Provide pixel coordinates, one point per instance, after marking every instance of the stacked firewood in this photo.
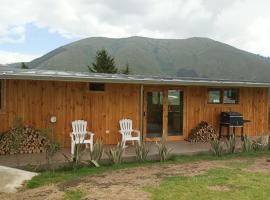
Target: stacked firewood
(27, 140)
(203, 132)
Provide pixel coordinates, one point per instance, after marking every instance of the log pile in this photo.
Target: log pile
(29, 140)
(203, 132)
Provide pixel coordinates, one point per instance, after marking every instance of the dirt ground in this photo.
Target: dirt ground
(128, 184)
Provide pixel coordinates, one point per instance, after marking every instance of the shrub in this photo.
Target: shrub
(258, 145)
(141, 151)
(246, 144)
(216, 147)
(51, 146)
(96, 153)
(231, 143)
(115, 155)
(164, 152)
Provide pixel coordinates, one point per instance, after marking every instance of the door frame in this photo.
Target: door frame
(164, 90)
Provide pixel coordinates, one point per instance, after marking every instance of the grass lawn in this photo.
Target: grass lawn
(73, 195)
(198, 177)
(49, 177)
(220, 183)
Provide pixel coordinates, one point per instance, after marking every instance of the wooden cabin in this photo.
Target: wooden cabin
(158, 106)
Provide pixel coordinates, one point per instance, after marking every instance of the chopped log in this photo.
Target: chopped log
(203, 132)
(33, 141)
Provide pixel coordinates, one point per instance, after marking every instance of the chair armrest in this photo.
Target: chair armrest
(90, 133)
(138, 132)
(120, 132)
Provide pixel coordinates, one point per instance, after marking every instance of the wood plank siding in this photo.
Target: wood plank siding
(37, 101)
(253, 104)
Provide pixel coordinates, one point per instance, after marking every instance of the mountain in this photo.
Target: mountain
(16, 65)
(4, 67)
(193, 57)
(1, 65)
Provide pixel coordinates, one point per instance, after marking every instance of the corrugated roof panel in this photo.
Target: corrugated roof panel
(36, 74)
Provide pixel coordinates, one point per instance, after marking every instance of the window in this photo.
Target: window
(230, 96)
(223, 95)
(175, 112)
(97, 87)
(157, 98)
(214, 96)
(1, 95)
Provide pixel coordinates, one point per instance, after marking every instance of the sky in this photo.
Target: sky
(32, 28)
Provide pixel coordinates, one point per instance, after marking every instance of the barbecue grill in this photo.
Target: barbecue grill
(232, 120)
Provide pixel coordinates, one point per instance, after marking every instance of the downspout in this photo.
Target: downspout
(141, 112)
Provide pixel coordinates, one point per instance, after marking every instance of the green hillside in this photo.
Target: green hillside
(174, 57)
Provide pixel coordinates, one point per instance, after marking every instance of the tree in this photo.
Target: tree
(126, 70)
(24, 66)
(104, 63)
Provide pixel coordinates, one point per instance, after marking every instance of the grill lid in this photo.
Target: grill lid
(231, 113)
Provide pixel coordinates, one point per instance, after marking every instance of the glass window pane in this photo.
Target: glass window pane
(230, 96)
(97, 87)
(214, 96)
(154, 114)
(175, 112)
(156, 98)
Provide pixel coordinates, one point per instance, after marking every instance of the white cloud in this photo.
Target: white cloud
(241, 23)
(13, 35)
(11, 57)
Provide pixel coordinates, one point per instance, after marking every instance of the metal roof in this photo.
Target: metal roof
(36, 74)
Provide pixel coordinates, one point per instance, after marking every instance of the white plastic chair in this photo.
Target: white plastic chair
(126, 131)
(78, 135)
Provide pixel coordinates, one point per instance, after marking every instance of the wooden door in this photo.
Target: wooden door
(163, 113)
(153, 114)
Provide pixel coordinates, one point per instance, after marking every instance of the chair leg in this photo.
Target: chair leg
(72, 148)
(124, 143)
(91, 146)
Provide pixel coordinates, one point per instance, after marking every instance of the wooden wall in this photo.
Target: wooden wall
(37, 101)
(253, 104)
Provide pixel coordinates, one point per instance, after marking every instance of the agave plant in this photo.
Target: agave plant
(96, 153)
(115, 155)
(246, 144)
(74, 161)
(164, 152)
(231, 144)
(141, 151)
(216, 147)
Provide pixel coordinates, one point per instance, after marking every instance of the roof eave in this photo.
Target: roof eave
(132, 80)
